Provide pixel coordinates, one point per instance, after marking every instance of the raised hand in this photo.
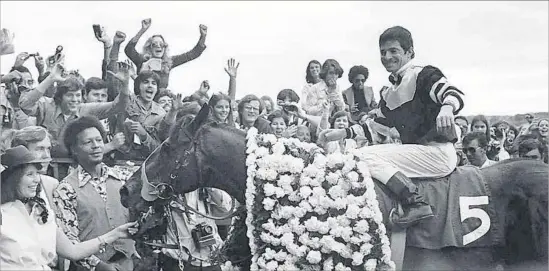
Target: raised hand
(203, 30)
(290, 131)
(177, 103)
(132, 70)
(104, 38)
(118, 140)
(123, 74)
(231, 68)
(119, 37)
(39, 63)
(145, 24)
(6, 42)
(58, 73)
(21, 58)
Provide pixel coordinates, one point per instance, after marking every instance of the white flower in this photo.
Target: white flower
(268, 203)
(328, 264)
(334, 160)
(295, 166)
(315, 182)
(366, 248)
(261, 152)
(352, 176)
(362, 226)
(270, 138)
(285, 180)
(294, 197)
(370, 265)
(358, 258)
(352, 211)
(272, 265)
(341, 267)
(314, 257)
(336, 192)
(305, 191)
(269, 189)
(332, 178)
(279, 148)
(287, 239)
(250, 160)
(281, 256)
(269, 254)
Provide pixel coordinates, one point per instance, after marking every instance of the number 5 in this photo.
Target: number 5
(466, 212)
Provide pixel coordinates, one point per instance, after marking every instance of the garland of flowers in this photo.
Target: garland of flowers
(311, 215)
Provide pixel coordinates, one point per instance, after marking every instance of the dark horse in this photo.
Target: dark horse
(203, 154)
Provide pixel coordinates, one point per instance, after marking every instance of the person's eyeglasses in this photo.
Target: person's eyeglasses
(251, 109)
(157, 45)
(360, 80)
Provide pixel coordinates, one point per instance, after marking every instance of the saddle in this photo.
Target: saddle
(463, 209)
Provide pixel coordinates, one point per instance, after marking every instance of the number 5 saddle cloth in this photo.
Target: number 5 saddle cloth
(464, 213)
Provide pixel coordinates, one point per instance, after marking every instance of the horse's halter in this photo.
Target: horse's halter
(165, 191)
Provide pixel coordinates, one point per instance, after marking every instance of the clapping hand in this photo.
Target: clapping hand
(231, 68)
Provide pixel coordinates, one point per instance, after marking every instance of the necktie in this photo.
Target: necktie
(397, 81)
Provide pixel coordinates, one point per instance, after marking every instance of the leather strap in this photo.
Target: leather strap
(398, 246)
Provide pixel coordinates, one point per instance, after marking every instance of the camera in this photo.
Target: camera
(203, 235)
(55, 58)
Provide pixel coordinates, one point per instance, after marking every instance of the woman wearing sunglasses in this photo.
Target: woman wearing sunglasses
(30, 238)
(156, 56)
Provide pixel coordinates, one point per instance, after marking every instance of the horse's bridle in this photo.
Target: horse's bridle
(166, 191)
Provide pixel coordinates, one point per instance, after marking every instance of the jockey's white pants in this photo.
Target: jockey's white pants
(429, 161)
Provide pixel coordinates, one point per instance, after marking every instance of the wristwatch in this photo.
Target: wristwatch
(93, 261)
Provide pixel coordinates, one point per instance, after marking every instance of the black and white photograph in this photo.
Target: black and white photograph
(274, 135)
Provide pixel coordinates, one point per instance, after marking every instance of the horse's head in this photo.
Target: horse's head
(161, 176)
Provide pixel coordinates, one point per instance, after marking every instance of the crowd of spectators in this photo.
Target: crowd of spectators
(95, 122)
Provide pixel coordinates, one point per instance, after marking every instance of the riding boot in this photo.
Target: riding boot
(413, 204)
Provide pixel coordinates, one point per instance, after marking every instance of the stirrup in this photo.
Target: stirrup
(395, 216)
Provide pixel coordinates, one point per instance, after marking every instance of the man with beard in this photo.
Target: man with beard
(420, 103)
(358, 97)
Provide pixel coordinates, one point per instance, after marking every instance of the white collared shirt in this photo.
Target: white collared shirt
(26, 244)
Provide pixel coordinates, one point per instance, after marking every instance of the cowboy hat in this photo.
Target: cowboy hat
(19, 155)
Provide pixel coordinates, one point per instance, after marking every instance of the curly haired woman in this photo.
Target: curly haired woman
(155, 55)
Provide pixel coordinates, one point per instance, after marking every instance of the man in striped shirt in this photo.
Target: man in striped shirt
(420, 104)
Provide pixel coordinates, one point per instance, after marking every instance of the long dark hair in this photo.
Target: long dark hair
(219, 97)
(308, 77)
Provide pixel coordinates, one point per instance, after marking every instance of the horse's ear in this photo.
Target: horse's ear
(200, 119)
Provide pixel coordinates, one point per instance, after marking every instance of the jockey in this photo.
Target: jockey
(420, 104)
